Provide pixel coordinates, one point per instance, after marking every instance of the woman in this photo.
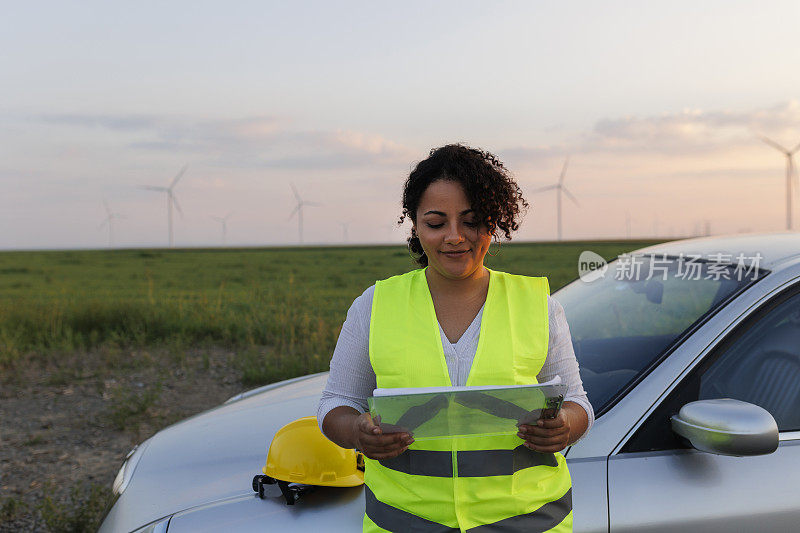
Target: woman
(458, 199)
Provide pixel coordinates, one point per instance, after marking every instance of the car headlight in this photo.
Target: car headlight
(128, 467)
(159, 526)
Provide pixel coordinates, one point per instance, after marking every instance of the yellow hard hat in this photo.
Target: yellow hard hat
(300, 453)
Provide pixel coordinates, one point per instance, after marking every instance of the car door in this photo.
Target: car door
(658, 483)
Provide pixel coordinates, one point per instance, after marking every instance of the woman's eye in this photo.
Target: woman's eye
(471, 224)
(435, 226)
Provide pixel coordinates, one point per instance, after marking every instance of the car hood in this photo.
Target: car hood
(212, 456)
(334, 510)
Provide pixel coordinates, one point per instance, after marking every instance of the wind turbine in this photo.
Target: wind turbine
(299, 210)
(344, 226)
(628, 224)
(171, 200)
(109, 221)
(224, 222)
(789, 171)
(560, 188)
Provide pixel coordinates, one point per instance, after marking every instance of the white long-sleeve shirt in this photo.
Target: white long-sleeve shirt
(352, 380)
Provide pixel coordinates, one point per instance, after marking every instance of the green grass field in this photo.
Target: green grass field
(279, 308)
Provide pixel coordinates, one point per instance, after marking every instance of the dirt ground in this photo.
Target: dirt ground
(72, 424)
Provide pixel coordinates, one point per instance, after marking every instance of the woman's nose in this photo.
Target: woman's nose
(453, 235)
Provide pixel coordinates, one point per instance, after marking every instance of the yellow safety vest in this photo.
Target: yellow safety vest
(476, 484)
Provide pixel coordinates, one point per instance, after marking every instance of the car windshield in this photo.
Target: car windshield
(622, 323)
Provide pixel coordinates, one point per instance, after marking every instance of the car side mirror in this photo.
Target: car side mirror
(727, 427)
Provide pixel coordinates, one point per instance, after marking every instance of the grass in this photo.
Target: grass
(129, 405)
(81, 512)
(11, 508)
(284, 306)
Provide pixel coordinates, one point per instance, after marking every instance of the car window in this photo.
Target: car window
(759, 362)
(763, 366)
(622, 323)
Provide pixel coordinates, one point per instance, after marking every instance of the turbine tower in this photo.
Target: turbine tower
(789, 171)
(344, 226)
(171, 200)
(628, 224)
(109, 221)
(560, 188)
(224, 222)
(299, 210)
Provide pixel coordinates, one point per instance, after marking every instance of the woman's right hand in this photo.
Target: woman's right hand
(373, 443)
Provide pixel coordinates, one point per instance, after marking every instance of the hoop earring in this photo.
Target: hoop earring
(408, 245)
(410, 253)
(499, 247)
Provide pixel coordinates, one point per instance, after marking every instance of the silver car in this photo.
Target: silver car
(662, 337)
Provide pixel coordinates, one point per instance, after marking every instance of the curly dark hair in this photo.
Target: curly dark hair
(490, 189)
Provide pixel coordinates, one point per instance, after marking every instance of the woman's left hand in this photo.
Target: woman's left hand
(550, 435)
(554, 434)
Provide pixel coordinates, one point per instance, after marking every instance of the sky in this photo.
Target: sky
(659, 107)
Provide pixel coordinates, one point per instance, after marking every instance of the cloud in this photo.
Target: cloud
(689, 144)
(274, 142)
(372, 144)
(530, 154)
(693, 131)
(257, 142)
(112, 122)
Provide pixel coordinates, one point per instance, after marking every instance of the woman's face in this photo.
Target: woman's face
(448, 231)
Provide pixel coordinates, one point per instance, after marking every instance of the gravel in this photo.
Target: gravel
(60, 424)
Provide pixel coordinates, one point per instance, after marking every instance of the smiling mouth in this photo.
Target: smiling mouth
(456, 253)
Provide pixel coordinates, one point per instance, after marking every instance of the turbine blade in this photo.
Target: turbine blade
(563, 171)
(773, 144)
(175, 203)
(228, 215)
(569, 195)
(153, 188)
(796, 148)
(108, 209)
(296, 194)
(542, 189)
(103, 225)
(296, 209)
(178, 176)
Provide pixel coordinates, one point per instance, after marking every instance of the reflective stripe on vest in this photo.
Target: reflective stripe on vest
(476, 463)
(484, 483)
(394, 519)
(544, 518)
